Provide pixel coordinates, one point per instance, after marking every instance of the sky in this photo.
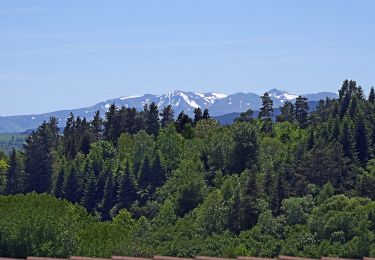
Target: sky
(69, 54)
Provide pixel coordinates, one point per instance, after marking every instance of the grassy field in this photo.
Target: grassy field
(8, 141)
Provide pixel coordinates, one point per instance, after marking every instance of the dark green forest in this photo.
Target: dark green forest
(143, 183)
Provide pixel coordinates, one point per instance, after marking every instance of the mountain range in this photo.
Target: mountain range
(218, 105)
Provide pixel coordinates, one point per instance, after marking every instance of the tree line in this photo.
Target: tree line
(251, 181)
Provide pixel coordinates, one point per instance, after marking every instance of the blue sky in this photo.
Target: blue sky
(69, 54)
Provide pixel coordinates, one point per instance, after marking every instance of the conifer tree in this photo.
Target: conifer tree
(281, 191)
(127, 193)
(361, 139)
(39, 147)
(198, 115)
(310, 140)
(346, 138)
(236, 212)
(371, 97)
(15, 174)
(97, 125)
(89, 199)
(182, 121)
(109, 199)
(246, 116)
(249, 203)
(72, 189)
(301, 109)
(100, 185)
(287, 112)
(69, 142)
(266, 113)
(152, 119)
(158, 173)
(353, 107)
(206, 114)
(167, 116)
(335, 130)
(58, 190)
(86, 136)
(110, 124)
(145, 175)
(145, 182)
(268, 184)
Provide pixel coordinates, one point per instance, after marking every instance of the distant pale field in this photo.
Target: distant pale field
(10, 140)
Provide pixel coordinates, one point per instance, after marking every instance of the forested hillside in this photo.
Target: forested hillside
(152, 184)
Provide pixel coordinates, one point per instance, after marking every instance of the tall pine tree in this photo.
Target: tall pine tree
(109, 199)
(301, 109)
(167, 116)
(127, 193)
(361, 139)
(15, 174)
(152, 119)
(266, 113)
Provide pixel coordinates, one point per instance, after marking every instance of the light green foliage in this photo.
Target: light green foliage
(3, 176)
(40, 225)
(170, 144)
(213, 214)
(186, 187)
(296, 210)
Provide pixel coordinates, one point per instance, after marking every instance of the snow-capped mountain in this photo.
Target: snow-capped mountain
(217, 103)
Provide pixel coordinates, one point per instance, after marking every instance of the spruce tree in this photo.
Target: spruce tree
(236, 212)
(158, 173)
(110, 124)
(152, 119)
(335, 130)
(72, 189)
(206, 114)
(249, 203)
(353, 107)
(182, 121)
(268, 184)
(361, 139)
(97, 125)
(198, 115)
(15, 174)
(58, 190)
(69, 142)
(287, 112)
(266, 113)
(145, 174)
(371, 97)
(144, 181)
(310, 140)
(127, 193)
(89, 199)
(346, 138)
(109, 199)
(301, 109)
(38, 149)
(281, 190)
(167, 116)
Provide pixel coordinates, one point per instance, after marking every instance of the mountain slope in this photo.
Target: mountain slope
(217, 103)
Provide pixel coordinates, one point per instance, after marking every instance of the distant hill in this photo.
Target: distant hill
(218, 104)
